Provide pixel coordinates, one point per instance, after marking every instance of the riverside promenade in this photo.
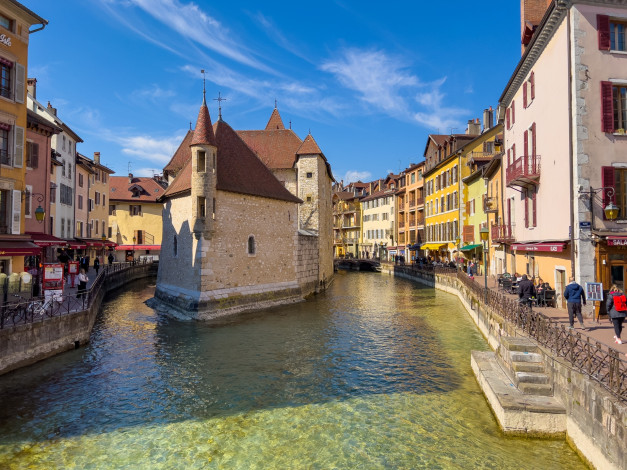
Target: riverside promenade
(33, 330)
(586, 373)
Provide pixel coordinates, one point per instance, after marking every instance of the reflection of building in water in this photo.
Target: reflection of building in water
(234, 236)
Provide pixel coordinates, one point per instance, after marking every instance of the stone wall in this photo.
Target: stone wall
(596, 420)
(307, 263)
(26, 344)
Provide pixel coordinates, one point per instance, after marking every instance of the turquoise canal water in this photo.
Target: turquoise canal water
(373, 374)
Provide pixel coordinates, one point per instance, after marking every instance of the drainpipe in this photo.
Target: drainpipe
(571, 159)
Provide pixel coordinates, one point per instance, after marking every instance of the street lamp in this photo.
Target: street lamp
(610, 210)
(40, 212)
(484, 232)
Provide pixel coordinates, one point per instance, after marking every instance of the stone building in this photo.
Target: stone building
(236, 237)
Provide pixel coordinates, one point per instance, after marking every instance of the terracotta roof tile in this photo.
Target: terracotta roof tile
(309, 147)
(238, 170)
(203, 134)
(180, 157)
(276, 148)
(275, 122)
(120, 189)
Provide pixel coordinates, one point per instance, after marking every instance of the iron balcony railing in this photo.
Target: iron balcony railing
(524, 171)
(502, 233)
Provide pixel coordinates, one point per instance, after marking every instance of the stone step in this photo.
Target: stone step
(532, 377)
(516, 356)
(541, 390)
(519, 344)
(528, 367)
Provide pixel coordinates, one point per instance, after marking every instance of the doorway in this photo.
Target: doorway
(560, 285)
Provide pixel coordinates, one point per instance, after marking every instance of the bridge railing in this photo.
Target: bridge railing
(19, 311)
(597, 360)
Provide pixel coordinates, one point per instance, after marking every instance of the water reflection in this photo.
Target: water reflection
(375, 372)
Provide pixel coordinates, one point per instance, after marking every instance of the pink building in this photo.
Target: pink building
(564, 112)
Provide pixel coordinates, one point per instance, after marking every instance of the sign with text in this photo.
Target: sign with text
(617, 241)
(594, 291)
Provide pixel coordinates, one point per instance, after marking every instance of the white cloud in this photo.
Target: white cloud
(353, 176)
(146, 171)
(154, 92)
(437, 116)
(380, 79)
(157, 150)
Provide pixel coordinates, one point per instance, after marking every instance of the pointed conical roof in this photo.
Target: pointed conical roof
(309, 147)
(203, 134)
(275, 121)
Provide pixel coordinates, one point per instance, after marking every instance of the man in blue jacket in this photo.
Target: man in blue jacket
(574, 296)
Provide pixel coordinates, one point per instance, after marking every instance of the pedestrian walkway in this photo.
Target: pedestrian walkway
(602, 331)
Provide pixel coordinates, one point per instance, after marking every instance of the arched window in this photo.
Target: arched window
(251, 245)
(175, 246)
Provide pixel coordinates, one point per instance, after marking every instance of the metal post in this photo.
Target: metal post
(485, 273)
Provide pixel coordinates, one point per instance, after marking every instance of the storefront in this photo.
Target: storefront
(137, 252)
(611, 256)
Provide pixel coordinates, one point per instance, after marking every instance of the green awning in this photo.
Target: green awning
(471, 247)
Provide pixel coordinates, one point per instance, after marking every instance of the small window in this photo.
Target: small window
(202, 210)
(201, 161)
(251, 245)
(309, 198)
(111, 209)
(175, 246)
(309, 174)
(6, 23)
(135, 209)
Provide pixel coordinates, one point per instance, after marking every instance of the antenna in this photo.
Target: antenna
(452, 129)
(274, 103)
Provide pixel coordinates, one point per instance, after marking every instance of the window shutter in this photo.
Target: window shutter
(513, 152)
(509, 211)
(34, 157)
(532, 163)
(526, 143)
(508, 156)
(20, 82)
(533, 208)
(16, 212)
(527, 209)
(525, 95)
(607, 181)
(513, 112)
(607, 107)
(532, 85)
(18, 148)
(507, 118)
(603, 29)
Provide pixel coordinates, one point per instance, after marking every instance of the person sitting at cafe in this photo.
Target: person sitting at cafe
(540, 285)
(526, 290)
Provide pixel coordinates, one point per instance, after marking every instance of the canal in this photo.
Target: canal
(373, 374)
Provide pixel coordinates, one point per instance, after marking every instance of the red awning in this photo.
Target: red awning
(77, 244)
(555, 247)
(15, 248)
(137, 247)
(110, 243)
(617, 241)
(44, 239)
(92, 242)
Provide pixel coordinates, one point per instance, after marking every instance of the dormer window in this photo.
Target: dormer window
(201, 161)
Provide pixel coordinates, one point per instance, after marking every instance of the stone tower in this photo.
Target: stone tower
(203, 179)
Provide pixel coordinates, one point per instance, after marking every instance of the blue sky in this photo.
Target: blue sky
(370, 80)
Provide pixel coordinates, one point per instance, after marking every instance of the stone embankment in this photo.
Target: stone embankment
(66, 325)
(541, 379)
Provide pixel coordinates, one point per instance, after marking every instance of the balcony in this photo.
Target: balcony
(502, 233)
(524, 172)
(420, 201)
(412, 203)
(401, 206)
(490, 204)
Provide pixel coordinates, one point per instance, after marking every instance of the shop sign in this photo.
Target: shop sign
(617, 241)
(6, 40)
(554, 247)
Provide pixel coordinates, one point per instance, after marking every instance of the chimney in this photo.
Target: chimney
(488, 118)
(97, 158)
(32, 87)
(130, 177)
(51, 109)
(474, 128)
(531, 13)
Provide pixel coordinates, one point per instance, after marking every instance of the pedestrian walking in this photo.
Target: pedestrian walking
(617, 310)
(82, 283)
(574, 296)
(96, 265)
(111, 258)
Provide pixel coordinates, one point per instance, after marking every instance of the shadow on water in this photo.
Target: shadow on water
(140, 368)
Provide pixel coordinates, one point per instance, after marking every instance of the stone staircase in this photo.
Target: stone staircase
(522, 361)
(518, 389)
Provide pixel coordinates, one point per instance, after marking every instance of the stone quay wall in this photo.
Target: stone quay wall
(28, 343)
(596, 425)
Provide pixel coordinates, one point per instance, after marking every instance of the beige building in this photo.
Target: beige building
(234, 237)
(378, 210)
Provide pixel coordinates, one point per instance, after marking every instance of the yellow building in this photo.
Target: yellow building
(15, 23)
(442, 188)
(135, 216)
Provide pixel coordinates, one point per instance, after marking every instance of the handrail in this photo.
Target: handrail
(598, 361)
(36, 310)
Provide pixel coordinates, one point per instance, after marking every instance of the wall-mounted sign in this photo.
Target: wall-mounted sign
(585, 225)
(6, 40)
(617, 241)
(594, 291)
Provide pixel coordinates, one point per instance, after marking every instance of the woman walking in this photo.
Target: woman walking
(82, 283)
(617, 310)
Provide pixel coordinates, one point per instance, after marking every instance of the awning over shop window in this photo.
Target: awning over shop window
(44, 239)
(19, 248)
(555, 247)
(471, 247)
(432, 246)
(137, 247)
(76, 244)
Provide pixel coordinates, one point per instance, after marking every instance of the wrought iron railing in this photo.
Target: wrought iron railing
(599, 361)
(502, 233)
(523, 170)
(19, 311)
